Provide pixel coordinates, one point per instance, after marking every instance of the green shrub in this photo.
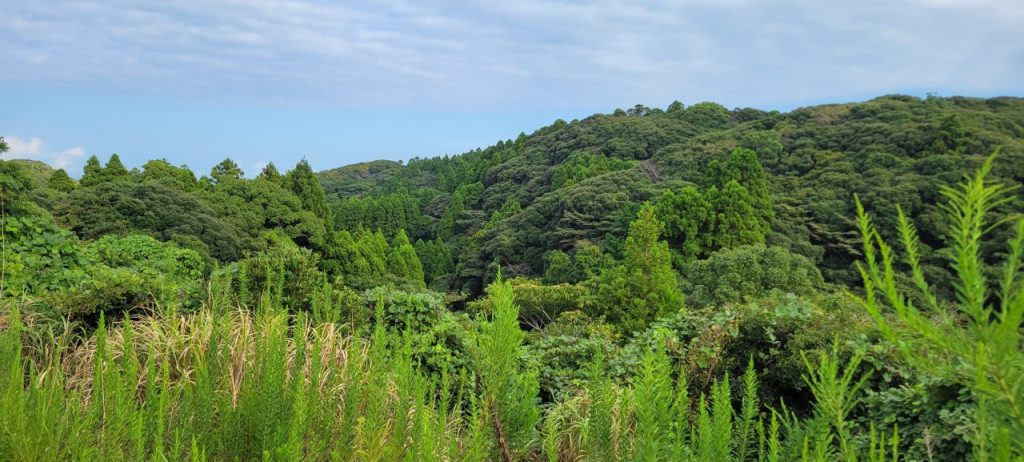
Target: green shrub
(741, 273)
(39, 256)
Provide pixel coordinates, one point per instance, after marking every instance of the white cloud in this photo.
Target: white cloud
(23, 148)
(256, 168)
(483, 54)
(34, 148)
(68, 157)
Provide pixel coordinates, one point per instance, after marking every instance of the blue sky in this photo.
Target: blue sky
(195, 81)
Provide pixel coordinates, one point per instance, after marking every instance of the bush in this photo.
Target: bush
(39, 256)
(539, 304)
(285, 272)
(562, 351)
(147, 256)
(743, 273)
(440, 340)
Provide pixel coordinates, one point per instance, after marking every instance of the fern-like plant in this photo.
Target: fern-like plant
(976, 338)
(509, 391)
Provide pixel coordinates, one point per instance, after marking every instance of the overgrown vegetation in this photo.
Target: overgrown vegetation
(673, 284)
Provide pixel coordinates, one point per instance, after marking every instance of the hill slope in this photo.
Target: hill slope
(580, 182)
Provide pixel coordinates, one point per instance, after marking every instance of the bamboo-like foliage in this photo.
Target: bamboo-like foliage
(975, 339)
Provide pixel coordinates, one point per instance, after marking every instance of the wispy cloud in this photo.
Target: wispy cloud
(529, 53)
(34, 148)
(23, 148)
(256, 168)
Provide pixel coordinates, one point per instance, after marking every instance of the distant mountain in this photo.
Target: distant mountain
(357, 179)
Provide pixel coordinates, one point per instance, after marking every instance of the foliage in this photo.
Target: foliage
(165, 213)
(60, 181)
(557, 267)
(39, 256)
(255, 207)
(367, 259)
(287, 316)
(742, 273)
(975, 339)
(509, 392)
(389, 213)
(403, 262)
(644, 286)
(304, 184)
(563, 351)
(538, 303)
(582, 165)
(92, 172)
(689, 218)
(270, 173)
(161, 170)
(226, 171)
(440, 341)
(146, 256)
(285, 274)
(436, 258)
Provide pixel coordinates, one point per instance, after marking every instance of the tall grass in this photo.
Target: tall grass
(229, 383)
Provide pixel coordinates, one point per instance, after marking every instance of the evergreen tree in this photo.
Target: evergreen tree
(92, 173)
(589, 261)
(643, 287)
(510, 208)
(465, 197)
(402, 259)
(304, 183)
(60, 181)
(736, 221)
(226, 170)
(162, 171)
(270, 173)
(115, 170)
(436, 258)
(743, 167)
(689, 219)
(372, 248)
(14, 184)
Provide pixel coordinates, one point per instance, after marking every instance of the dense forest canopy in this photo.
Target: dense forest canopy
(686, 283)
(581, 183)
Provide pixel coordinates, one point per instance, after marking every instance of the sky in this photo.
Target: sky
(195, 81)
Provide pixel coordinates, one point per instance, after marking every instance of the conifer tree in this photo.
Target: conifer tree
(736, 220)
(509, 389)
(403, 261)
(436, 258)
(92, 173)
(743, 167)
(226, 170)
(114, 170)
(60, 181)
(270, 173)
(306, 186)
(689, 219)
(644, 286)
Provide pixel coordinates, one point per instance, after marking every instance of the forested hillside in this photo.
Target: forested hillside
(570, 185)
(838, 282)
